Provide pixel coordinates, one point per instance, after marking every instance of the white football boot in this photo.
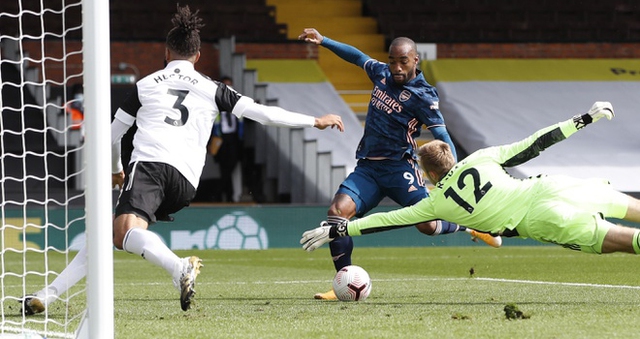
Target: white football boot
(187, 280)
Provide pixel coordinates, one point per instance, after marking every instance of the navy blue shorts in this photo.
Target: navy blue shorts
(372, 180)
(153, 191)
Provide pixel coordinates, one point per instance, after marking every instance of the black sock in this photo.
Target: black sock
(341, 249)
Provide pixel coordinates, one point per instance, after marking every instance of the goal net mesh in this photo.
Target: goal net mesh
(41, 140)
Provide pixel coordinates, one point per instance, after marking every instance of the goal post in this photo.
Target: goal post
(55, 173)
(97, 96)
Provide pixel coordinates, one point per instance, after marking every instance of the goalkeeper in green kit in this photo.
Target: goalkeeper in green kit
(479, 193)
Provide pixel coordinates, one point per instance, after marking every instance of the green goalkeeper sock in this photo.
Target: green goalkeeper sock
(636, 241)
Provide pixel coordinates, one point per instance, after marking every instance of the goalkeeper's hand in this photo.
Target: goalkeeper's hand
(316, 237)
(601, 109)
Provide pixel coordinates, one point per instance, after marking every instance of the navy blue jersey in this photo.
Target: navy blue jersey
(396, 114)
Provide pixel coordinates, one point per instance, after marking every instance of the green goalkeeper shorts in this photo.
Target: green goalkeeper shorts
(568, 212)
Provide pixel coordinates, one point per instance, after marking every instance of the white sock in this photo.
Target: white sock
(74, 272)
(148, 245)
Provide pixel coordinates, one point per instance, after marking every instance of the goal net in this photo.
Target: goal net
(55, 166)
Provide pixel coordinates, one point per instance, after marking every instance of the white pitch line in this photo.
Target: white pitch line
(536, 282)
(285, 282)
(21, 332)
(518, 281)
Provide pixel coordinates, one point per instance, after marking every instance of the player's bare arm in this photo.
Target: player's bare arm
(311, 35)
(329, 120)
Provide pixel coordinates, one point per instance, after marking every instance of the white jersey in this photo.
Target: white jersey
(174, 110)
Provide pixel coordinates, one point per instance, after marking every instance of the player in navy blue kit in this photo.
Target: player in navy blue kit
(401, 103)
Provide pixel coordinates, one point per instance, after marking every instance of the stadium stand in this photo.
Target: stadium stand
(344, 21)
(509, 21)
(31, 24)
(247, 20)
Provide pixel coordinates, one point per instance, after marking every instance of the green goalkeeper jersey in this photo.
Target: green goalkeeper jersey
(477, 192)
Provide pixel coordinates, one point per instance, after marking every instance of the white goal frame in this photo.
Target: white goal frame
(98, 322)
(92, 169)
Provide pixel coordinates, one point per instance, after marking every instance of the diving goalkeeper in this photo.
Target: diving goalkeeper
(479, 193)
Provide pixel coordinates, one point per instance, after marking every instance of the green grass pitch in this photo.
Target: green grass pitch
(417, 293)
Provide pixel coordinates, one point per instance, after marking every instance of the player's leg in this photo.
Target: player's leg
(357, 194)
(633, 210)
(342, 208)
(71, 275)
(621, 238)
(597, 196)
(577, 230)
(609, 237)
(139, 205)
(438, 227)
(557, 218)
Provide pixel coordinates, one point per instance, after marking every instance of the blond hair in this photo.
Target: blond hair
(436, 156)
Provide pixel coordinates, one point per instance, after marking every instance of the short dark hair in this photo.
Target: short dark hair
(184, 38)
(403, 41)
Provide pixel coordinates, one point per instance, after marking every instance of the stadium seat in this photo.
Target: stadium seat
(247, 20)
(514, 21)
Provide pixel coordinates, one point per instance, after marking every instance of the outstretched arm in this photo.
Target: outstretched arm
(276, 116)
(529, 148)
(346, 52)
(230, 100)
(373, 223)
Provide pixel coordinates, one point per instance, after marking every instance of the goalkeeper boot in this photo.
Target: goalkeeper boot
(493, 241)
(30, 305)
(330, 295)
(190, 270)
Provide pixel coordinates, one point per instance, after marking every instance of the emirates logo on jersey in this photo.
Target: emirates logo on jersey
(404, 96)
(381, 100)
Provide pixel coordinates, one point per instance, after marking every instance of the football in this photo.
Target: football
(352, 283)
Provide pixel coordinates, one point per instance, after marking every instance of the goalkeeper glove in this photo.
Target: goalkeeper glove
(601, 109)
(323, 234)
